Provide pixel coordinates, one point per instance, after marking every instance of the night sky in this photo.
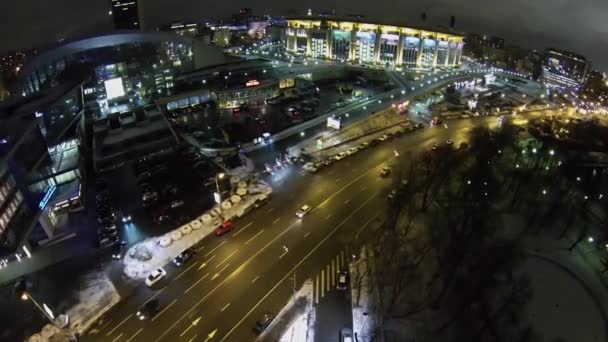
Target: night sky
(577, 25)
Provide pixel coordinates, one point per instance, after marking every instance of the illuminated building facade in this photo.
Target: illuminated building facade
(366, 43)
(563, 69)
(126, 14)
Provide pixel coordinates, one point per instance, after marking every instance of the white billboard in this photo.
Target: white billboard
(114, 88)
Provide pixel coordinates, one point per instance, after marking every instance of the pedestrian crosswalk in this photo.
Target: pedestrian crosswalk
(325, 281)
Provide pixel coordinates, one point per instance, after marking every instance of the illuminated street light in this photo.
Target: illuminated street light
(551, 152)
(544, 192)
(590, 239)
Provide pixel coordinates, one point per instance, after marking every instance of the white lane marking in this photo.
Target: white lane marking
(119, 324)
(275, 221)
(200, 248)
(206, 262)
(226, 259)
(365, 225)
(328, 217)
(165, 309)
(220, 271)
(254, 279)
(253, 237)
(234, 273)
(192, 339)
(290, 272)
(269, 210)
(218, 246)
(152, 297)
(117, 337)
(242, 229)
(186, 270)
(346, 202)
(225, 307)
(338, 179)
(363, 188)
(137, 333)
(305, 235)
(282, 255)
(196, 283)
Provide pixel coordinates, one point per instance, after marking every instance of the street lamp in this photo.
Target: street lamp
(218, 177)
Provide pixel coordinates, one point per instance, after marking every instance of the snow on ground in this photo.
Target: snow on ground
(363, 310)
(197, 230)
(296, 321)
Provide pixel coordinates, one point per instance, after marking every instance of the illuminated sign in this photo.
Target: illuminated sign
(252, 83)
(216, 197)
(114, 88)
(402, 107)
(333, 123)
(286, 83)
(47, 197)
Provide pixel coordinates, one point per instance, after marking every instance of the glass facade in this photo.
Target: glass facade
(428, 52)
(389, 43)
(341, 45)
(442, 53)
(366, 43)
(410, 51)
(319, 44)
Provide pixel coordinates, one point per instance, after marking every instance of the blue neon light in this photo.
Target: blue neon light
(47, 197)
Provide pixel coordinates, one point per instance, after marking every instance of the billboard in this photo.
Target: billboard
(333, 123)
(114, 88)
(287, 83)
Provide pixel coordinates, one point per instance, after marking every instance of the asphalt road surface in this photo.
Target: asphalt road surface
(235, 278)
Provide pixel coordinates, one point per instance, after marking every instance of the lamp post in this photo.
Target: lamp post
(218, 177)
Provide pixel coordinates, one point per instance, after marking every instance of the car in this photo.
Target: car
(342, 280)
(170, 189)
(224, 228)
(352, 150)
(399, 132)
(184, 257)
(155, 276)
(105, 220)
(108, 241)
(341, 156)
(385, 172)
(176, 204)
(436, 121)
(364, 145)
(449, 142)
(126, 218)
(392, 194)
(118, 253)
(374, 142)
(263, 322)
(107, 228)
(149, 196)
(263, 199)
(346, 335)
(434, 147)
(107, 234)
(384, 137)
(418, 126)
(148, 310)
(328, 161)
(303, 210)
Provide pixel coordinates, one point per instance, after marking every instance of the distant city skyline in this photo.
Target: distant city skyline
(565, 24)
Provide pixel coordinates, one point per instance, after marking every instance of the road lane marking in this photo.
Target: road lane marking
(275, 221)
(328, 278)
(105, 325)
(200, 248)
(196, 283)
(253, 237)
(165, 309)
(282, 255)
(365, 225)
(119, 324)
(226, 259)
(317, 288)
(218, 246)
(363, 188)
(137, 333)
(328, 217)
(338, 179)
(117, 337)
(242, 229)
(192, 339)
(269, 210)
(346, 202)
(351, 182)
(234, 273)
(206, 262)
(225, 307)
(254, 279)
(290, 272)
(220, 271)
(186, 270)
(305, 235)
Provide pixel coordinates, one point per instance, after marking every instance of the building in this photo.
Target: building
(369, 43)
(564, 69)
(182, 29)
(275, 33)
(127, 14)
(222, 36)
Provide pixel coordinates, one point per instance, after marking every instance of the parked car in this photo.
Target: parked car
(149, 196)
(363, 145)
(384, 137)
(449, 142)
(148, 310)
(341, 156)
(176, 204)
(155, 276)
(184, 257)
(224, 228)
(108, 241)
(261, 201)
(263, 322)
(392, 194)
(305, 209)
(352, 150)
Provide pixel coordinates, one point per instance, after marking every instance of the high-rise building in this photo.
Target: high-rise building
(564, 69)
(127, 14)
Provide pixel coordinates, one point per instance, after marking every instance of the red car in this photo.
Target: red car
(224, 228)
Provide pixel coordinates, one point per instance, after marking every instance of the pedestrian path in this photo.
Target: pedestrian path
(325, 281)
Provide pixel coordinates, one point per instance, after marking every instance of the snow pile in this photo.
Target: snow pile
(165, 248)
(361, 298)
(296, 321)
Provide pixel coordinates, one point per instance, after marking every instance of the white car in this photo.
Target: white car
(176, 204)
(351, 150)
(303, 210)
(341, 156)
(155, 277)
(384, 137)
